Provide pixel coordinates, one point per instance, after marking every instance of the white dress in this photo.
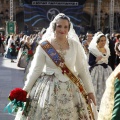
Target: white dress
(53, 95)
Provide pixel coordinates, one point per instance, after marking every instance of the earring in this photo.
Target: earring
(66, 36)
(54, 34)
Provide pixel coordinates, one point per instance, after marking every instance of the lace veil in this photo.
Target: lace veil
(93, 43)
(49, 34)
(50, 30)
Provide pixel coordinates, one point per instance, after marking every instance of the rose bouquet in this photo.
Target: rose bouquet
(29, 54)
(17, 98)
(17, 48)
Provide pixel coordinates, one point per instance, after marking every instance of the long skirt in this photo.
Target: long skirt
(10, 55)
(22, 58)
(99, 76)
(2, 50)
(19, 54)
(22, 63)
(52, 99)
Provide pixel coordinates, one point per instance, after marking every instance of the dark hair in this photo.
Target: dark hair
(44, 32)
(64, 17)
(99, 38)
(89, 32)
(118, 36)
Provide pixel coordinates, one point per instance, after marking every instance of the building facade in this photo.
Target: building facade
(89, 17)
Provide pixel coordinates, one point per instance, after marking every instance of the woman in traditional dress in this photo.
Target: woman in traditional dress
(11, 52)
(21, 46)
(25, 46)
(53, 96)
(34, 44)
(98, 61)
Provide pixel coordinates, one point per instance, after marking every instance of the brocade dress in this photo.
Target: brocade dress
(53, 95)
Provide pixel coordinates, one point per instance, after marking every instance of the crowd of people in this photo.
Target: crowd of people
(77, 87)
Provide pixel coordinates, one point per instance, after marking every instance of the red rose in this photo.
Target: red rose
(18, 94)
(30, 52)
(18, 48)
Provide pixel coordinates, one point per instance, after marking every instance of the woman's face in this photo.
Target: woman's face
(13, 37)
(102, 42)
(89, 37)
(28, 39)
(62, 28)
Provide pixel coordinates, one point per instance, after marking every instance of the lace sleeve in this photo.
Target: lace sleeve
(83, 69)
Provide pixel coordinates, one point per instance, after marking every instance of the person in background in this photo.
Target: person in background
(21, 58)
(7, 39)
(117, 50)
(40, 34)
(11, 49)
(82, 38)
(86, 42)
(2, 48)
(98, 61)
(23, 54)
(111, 60)
(17, 40)
(21, 36)
(52, 93)
(34, 45)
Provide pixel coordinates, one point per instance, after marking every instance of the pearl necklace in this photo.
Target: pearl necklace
(61, 51)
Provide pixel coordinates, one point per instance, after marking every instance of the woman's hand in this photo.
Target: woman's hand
(91, 97)
(98, 58)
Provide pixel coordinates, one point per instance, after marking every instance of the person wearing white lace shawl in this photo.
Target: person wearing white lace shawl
(98, 61)
(53, 95)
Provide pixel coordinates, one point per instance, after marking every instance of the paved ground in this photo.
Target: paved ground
(10, 77)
